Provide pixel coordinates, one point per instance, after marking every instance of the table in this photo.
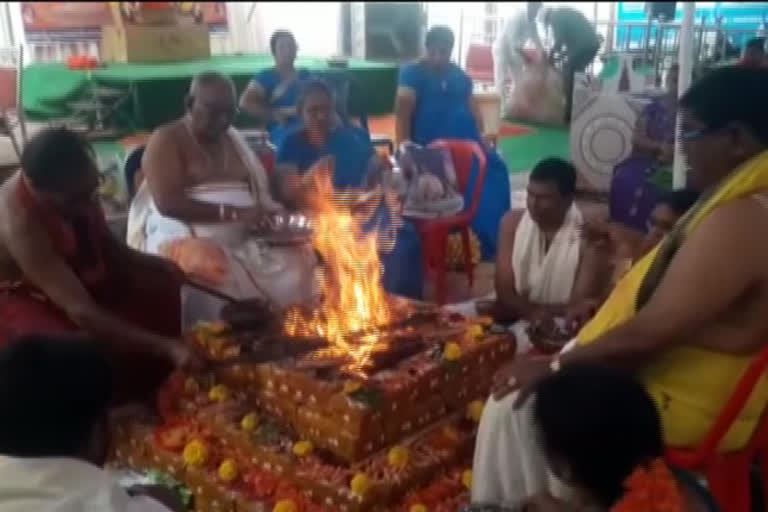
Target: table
(158, 90)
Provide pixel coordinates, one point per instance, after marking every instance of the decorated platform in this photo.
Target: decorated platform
(357, 401)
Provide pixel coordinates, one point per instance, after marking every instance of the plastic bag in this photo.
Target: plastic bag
(432, 189)
(538, 93)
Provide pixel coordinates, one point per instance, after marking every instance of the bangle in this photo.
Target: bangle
(221, 211)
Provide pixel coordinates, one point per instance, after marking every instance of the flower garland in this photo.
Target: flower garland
(651, 488)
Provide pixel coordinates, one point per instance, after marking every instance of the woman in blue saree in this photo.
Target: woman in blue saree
(434, 101)
(322, 138)
(272, 94)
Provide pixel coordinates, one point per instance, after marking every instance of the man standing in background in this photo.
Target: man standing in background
(576, 44)
(517, 31)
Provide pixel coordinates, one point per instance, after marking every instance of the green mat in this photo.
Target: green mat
(158, 89)
(522, 152)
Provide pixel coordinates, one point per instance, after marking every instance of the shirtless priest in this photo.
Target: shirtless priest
(203, 187)
(61, 269)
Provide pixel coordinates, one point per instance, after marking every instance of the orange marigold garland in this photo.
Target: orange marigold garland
(651, 488)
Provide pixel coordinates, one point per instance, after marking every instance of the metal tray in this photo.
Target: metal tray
(285, 229)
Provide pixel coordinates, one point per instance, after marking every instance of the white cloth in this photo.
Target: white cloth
(517, 31)
(509, 464)
(138, 213)
(547, 276)
(285, 274)
(64, 485)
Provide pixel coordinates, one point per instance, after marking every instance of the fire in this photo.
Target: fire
(354, 301)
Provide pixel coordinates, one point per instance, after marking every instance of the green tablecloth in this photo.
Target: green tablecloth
(158, 89)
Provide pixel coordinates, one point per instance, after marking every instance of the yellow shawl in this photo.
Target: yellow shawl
(690, 384)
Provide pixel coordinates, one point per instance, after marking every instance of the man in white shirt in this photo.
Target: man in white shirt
(54, 398)
(517, 31)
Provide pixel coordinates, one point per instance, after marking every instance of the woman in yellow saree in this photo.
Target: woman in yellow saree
(688, 318)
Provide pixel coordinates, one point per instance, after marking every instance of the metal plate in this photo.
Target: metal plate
(285, 229)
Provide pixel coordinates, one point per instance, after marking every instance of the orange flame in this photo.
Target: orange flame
(354, 300)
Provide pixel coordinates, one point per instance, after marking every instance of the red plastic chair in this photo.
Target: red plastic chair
(434, 232)
(728, 474)
(480, 62)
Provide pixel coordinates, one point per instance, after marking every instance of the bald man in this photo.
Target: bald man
(203, 188)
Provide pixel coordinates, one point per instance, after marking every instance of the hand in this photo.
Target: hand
(580, 313)
(521, 375)
(539, 317)
(597, 235)
(160, 493)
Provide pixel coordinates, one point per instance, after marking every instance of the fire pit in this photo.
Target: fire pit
(356, 400)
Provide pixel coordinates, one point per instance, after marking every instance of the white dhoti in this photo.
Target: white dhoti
(283, 275)
(509, 464)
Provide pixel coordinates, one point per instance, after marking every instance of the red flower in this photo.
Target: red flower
(651, 488)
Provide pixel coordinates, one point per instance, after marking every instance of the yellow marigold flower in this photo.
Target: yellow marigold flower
(398, 456)
(228, 470)
(452, 351)
(195, 453)
(475, 410)
(303, 448)
(466, 478)
(249, 422)
(477, 331)
(285, 506)
(351, 386)
(418, 508)
(360, 484)
(219, 393)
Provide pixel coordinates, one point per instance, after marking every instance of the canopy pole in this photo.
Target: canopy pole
(685, 61)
